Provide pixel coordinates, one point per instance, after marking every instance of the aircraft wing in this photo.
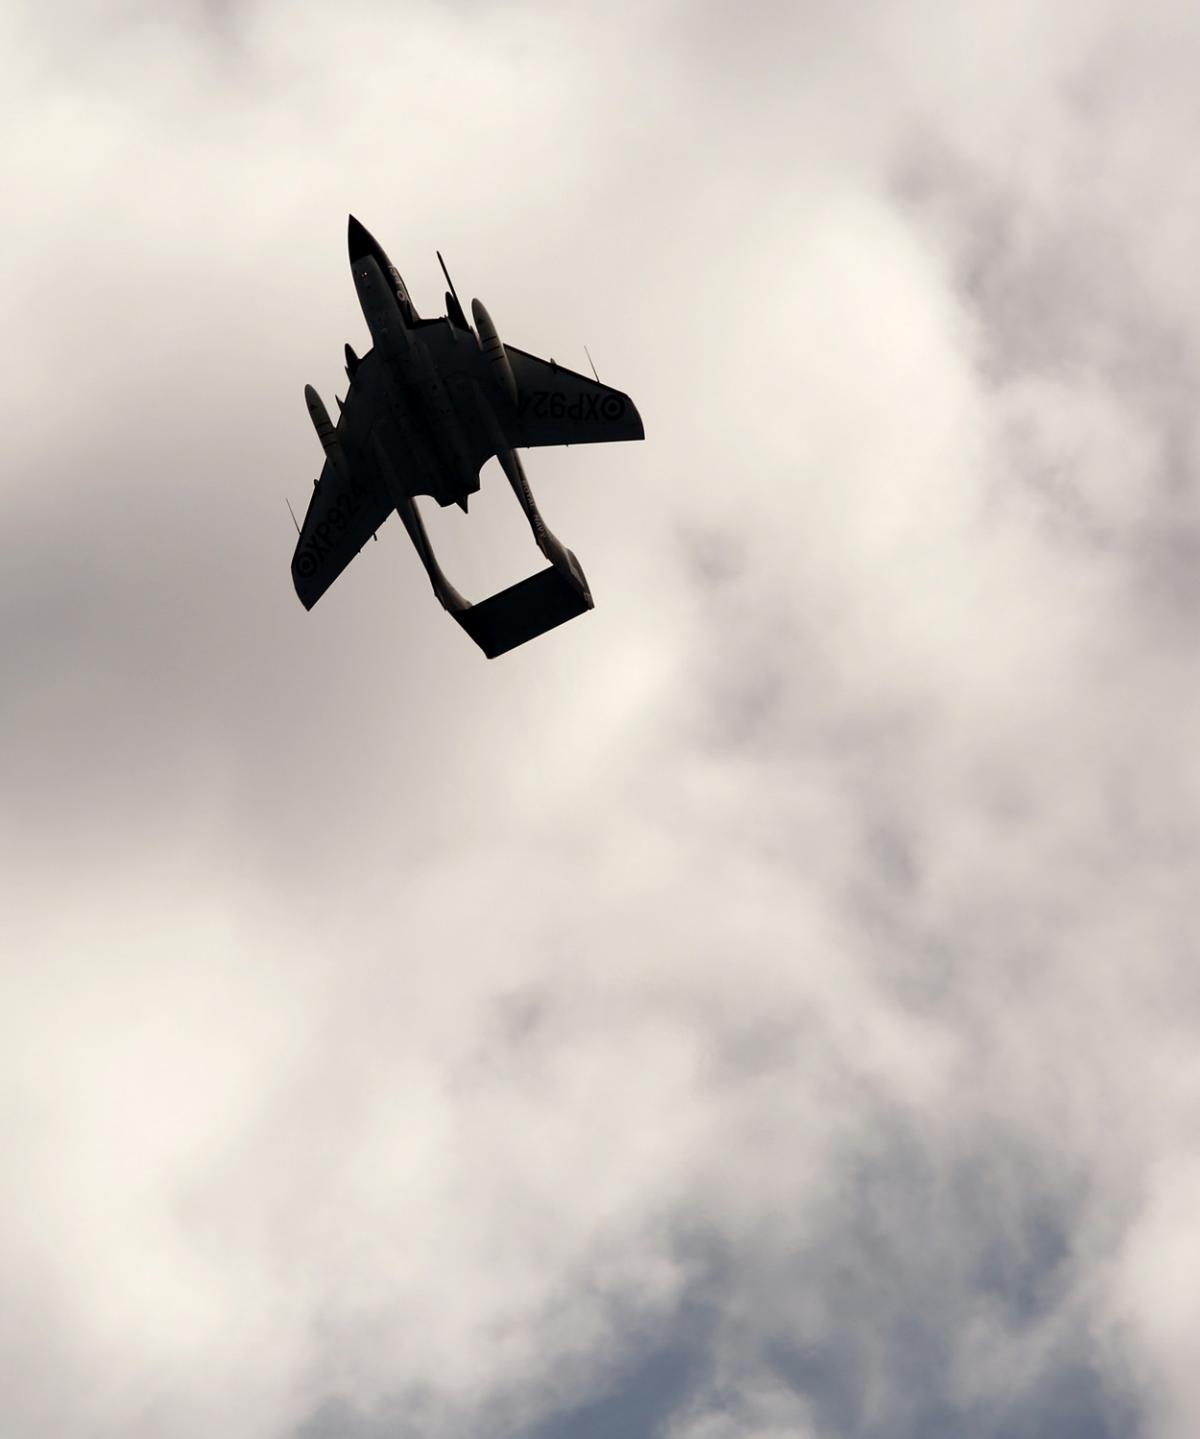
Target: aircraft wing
(348, 505)
(557, 406)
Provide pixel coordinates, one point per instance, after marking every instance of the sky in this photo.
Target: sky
(766, 1006)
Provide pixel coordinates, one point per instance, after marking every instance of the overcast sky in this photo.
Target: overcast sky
(767, 1006)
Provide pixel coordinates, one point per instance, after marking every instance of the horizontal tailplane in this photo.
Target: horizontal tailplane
(523, 611)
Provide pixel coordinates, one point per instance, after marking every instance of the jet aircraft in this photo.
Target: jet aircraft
(428, 405)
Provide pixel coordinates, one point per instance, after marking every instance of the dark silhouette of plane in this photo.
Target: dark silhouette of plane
(428, 404)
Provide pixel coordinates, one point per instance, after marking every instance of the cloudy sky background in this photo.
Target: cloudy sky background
(765, 1007)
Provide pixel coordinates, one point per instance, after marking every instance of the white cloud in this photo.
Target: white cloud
(788, 967)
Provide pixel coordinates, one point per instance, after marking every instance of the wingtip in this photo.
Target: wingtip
(303, 590)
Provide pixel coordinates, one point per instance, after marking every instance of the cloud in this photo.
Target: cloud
(764, 1007)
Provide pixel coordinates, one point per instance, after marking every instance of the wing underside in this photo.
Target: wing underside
(557, 406)
(345, 511)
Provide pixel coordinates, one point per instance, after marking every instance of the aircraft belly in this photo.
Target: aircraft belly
(414, 466)
(438, 399)
(482, 434)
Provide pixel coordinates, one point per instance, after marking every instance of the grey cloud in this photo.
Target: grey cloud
(764, 1007)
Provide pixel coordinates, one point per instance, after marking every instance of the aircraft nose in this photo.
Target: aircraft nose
(359, 240)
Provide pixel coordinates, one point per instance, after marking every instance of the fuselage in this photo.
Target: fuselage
(413, 395)
(420, 387)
